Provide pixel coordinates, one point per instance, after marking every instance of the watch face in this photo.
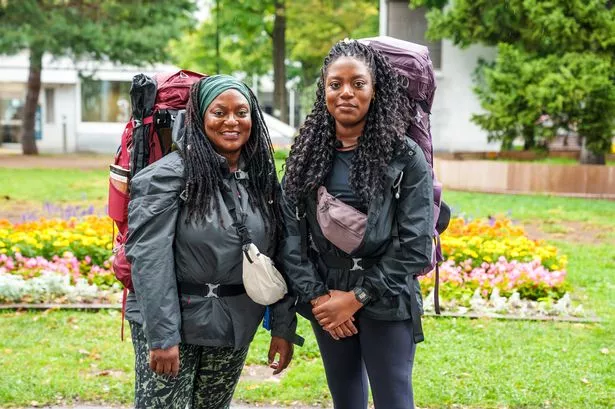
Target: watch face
(361, 295)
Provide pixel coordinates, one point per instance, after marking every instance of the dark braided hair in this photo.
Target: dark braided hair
(311, 155)
(204, 174)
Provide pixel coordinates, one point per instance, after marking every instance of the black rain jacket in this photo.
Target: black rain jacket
(163, 249)
(394, 262)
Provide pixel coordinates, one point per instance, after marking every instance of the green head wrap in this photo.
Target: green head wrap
(210, 88)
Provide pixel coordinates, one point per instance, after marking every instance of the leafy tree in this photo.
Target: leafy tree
(133, 32)
(315, 25)
(556, 61)
(251, 34)
(251, 39)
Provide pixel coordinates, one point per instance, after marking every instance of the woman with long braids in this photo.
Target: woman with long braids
(359, 220)
(191, 320)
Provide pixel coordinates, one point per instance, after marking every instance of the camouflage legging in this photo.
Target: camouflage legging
(207, 376)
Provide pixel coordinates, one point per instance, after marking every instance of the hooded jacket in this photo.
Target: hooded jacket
(164, 250)
(397, 245)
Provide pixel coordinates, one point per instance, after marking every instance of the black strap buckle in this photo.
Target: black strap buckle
(241, 175)
(244, 234)
(212, 290)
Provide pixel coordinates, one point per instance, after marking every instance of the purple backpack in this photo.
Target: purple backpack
(412, 61)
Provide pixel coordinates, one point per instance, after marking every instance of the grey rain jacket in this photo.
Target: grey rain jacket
(164, 250)
(390, 281)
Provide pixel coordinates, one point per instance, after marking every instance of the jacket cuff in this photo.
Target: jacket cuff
(165, 343)
(371, 290)
(315, 293)
(291, 336)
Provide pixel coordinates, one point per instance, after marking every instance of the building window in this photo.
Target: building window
(12, 98)
(50, 106)
(105, 101)
(411, 25)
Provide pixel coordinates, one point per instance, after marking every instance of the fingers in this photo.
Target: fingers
(152, 362)
(285, 350)
(334, 335)
(348, 328)
(344, 330)
(175, 367)
(320, 309)
(165, 362)
(339, 332)
(319, 300)
(166, 365)
(324, 322)
(285, 358)
(272, 351)
(333, 325)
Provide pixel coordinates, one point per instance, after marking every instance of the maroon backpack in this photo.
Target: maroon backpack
(156, 102)
(412, 61)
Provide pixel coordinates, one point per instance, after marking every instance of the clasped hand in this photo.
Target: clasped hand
(165, 361)
(335, 313)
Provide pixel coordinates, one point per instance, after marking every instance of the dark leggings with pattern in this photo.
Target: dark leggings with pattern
(382, 351)
(207, 376)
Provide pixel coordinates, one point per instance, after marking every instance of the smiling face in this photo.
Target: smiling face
(349, 89)
(227, 122)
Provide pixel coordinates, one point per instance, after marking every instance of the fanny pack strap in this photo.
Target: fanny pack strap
(211, 290)
(229, 201)
(348, 263)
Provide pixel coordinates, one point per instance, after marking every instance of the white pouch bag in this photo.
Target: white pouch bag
(263, 282)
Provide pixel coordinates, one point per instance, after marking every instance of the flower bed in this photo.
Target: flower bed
(487, 260)
(493, 259)
(57, 261)
(90, 237)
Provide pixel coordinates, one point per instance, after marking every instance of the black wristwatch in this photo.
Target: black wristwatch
(361, 295)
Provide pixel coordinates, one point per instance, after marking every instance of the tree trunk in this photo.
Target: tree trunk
(529, 138)
(591, 158)
(279, 66)
(28, 142)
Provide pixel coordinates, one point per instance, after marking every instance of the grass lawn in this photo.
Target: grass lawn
(61, 356)
(53, 185)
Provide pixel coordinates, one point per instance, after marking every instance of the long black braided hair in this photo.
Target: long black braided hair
(311, 155)
(204, 175)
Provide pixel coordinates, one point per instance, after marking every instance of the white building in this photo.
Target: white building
(83, 107)
(454, 102)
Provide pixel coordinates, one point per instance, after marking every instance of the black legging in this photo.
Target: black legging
(382, 351)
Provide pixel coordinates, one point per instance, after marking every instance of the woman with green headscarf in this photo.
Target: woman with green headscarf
(191, 320)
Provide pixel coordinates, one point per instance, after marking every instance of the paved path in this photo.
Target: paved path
(70, 161)
(124, 407)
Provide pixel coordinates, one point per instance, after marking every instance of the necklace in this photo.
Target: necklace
(347, 148)
(340, 147)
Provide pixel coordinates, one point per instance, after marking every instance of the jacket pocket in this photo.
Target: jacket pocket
(205, 320)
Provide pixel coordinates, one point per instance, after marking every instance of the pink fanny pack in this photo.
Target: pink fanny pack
(341, 224)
